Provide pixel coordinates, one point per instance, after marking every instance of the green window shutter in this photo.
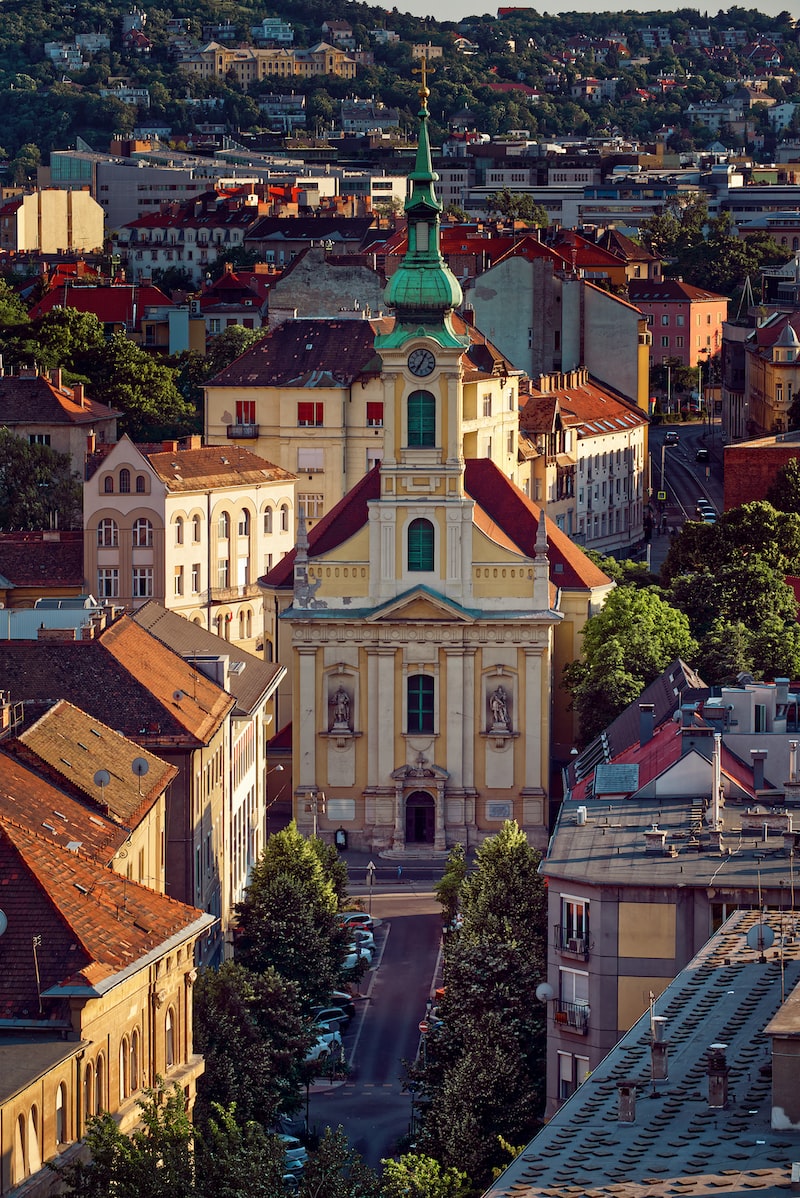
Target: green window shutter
(421, 419)
(420, 703)
(420, 545)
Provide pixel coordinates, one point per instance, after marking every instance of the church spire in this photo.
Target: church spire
(423, 291)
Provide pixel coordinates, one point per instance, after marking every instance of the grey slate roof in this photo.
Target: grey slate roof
(678, 1144)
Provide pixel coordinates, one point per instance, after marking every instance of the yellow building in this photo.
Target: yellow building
(248, 65)
(772, 375)
(424, 610)
(52, 221)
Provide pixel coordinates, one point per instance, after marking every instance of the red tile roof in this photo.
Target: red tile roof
(35, 400)
(669, 291)
(214, 466)
(41, 559)
(306, 353)
(590, 408)
(115, 303)
(93, 923)
(501, 504)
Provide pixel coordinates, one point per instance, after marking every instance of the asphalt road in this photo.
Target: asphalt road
(371, 1105)
(685, 480)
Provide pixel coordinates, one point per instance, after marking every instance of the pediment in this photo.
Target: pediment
(421, 606)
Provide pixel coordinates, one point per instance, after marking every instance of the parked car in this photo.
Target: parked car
(328, 1044)
(709, 517)
(701, 455)
(704, 506)
(355, 919)
(363, 938)
(363, 950)
(339, 998)
(331, 1014)
(295, 1153)
(672, 438)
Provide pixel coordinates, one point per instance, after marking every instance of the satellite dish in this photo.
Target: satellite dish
(760, 936)
(102, 778)
(178, 695)
(140, 766)
(3, 922)
(544, 992)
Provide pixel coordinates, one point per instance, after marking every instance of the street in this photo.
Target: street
(371, 1105)
(685, 480)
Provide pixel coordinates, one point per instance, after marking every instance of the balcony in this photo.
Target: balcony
(230, 594)
(572, 1015)
(569, 944)
(242, 432)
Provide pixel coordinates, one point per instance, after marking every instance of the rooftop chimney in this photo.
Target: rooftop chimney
(646, 721)
(782, 691)
(792, 760)
(659, 1063)
(758, 757)
(626, 1102)
(718, 1071)
(78, 395)
(655, 840)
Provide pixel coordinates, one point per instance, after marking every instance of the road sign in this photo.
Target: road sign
(662, 495)
(424, 1026)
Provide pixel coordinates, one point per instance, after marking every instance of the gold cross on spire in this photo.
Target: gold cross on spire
(423, 70)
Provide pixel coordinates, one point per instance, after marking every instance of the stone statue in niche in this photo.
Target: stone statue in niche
(340, 702)
(498, 704)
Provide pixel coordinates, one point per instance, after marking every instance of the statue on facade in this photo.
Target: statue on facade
(498, 703)
(341, 708)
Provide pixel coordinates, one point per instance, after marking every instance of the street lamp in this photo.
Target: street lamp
(316, 804)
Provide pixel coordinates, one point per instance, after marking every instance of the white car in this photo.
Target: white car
(361, 950)
(295, 1153)
(355, 919)
(328, 1044)
(363, 939)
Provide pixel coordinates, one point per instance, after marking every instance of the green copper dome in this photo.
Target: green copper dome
(423, 291)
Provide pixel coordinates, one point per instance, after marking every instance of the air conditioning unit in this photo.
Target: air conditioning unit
(575, 944)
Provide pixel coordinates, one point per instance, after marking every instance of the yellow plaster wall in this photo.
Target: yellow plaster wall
(647, 930)
(633, 998)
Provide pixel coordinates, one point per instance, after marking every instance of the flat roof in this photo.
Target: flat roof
(26, 1056)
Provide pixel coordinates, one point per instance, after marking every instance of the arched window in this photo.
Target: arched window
(224, 526)
(34, 1147)
(142, 533)
(108, 485)
(169, 1038)
(195, 529)
(141, 484)
(268, 520)
(124, 482)
(420, 703)
(61, 1114)
(248, 628)
(88, 1091)
(134, 1071)
(107, 533)
(241, 624)
(421, 419)
(100, 1085)
(124, 1076)
(20, 1168)
(284, 517)
(179, 530)
(244, 524)
(420, 545)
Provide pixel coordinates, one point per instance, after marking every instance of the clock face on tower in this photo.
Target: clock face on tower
(421, 362)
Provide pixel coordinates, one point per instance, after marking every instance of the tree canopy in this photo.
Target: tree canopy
(38, 487)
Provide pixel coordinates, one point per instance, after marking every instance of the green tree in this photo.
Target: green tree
(25, 163)
(251, 1030)
(724, 653)
(126, 377)
(784, 491)
(335, 1170)
(515, 206)
(625, 646)
(37, 486)
(448, 887)
(235, 1160)
(417, 1176)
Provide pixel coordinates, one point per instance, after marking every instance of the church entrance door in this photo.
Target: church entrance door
(420, 818)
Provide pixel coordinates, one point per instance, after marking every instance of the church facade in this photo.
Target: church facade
(424, 613)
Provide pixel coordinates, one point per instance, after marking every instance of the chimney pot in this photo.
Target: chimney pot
(646, 721)
(626, 1102)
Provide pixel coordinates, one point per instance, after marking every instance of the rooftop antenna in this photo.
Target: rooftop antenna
(102, 779)
(140, 767)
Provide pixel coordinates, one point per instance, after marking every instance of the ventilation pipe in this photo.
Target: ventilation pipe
(718, 1071)
(716, 782)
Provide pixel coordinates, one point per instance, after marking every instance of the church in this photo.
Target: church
(429, 613)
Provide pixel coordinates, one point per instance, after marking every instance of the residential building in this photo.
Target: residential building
(272, 31)
(318, 283)
(547, 319)
(191, 527)
(655, 845)
(278, 240)
(95, 999)
(44, 411)
(424, 626)
(286, 111)
(587, 452)
(253, 683)
(772, 373)
(685, 321)
(426, 50)
(139, 310)
(34, 565)
(51, 222)
(135, 685)
(340, 33)
(364, 116)
(663, 1112)
(750, 467)
(248, 65)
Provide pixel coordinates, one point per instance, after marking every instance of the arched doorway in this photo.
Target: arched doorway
(420, 818)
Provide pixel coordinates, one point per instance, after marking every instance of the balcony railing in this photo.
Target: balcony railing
(242, 432)
(568, 943)
(228, 594)
(572, 1015)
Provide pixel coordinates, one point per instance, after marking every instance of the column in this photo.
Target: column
(468, 719)
(384, 715)
(537, 724)
(439, 837)
(399, 841)
(458, 700)
(306, 730)
(370, 716)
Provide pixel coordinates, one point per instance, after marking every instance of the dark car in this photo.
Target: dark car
(701, 455)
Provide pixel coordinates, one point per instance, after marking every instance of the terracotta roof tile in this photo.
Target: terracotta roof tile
(306, 353)
(74, 746)
(590, 408)
(118, 303)
(30, 559)
(656, 291)
(40, 805)
(93, 923)
(213, 466)
(36, 401)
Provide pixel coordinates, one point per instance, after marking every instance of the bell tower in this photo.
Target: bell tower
(421, 525)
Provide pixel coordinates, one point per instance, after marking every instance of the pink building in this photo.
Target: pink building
(685, 321)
